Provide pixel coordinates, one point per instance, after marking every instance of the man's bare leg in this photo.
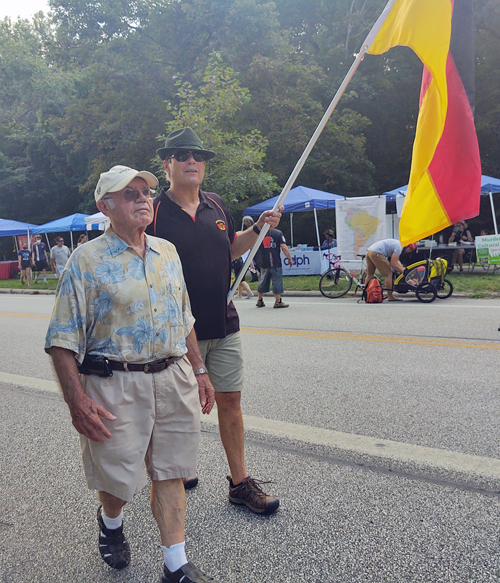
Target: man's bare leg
(168, 505)
(232, 433)
(111, 505)
(388, 287)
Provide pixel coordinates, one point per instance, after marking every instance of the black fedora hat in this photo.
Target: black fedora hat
(184, 139)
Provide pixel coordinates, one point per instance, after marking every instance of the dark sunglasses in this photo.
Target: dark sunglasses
(183, 156)
(131, 195)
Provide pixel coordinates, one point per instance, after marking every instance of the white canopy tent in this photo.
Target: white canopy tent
(97, 222)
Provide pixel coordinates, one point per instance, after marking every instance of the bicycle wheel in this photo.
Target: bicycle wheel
(445, 290)
(335, 283)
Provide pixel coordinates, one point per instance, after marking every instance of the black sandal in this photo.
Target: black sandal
(188, 573)
(113, 546)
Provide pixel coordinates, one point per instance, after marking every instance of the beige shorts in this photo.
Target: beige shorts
(224, 361)
(158, 423)
(377, 261)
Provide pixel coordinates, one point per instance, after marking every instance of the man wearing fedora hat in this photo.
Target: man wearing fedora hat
(122, 320)
(202, 229)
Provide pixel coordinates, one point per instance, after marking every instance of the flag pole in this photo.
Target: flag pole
(293, 176)
(299, 165)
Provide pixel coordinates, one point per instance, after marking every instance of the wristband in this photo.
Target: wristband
(256, 229)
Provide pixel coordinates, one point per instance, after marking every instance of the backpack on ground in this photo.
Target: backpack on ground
(373, 293)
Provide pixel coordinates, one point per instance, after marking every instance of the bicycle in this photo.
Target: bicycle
(337, 280)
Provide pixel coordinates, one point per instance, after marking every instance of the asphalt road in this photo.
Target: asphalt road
(378, 426)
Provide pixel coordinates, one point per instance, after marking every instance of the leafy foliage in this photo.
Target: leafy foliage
(212, 111)
(95, 82)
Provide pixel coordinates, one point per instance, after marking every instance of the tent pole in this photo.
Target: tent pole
(493, 213)
(71, 237)
(291, 229)
(302, 160)
(317, 228)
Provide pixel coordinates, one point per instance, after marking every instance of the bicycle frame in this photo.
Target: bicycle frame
(335, 262)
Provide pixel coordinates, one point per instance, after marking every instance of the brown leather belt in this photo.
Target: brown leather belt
(150, 367)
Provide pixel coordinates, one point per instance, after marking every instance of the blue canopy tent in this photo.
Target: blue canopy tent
(299, 200)
(75, 222)
(489, 185)
(12, 228)
(9, 228)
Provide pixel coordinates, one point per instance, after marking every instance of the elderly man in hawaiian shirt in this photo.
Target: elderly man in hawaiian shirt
(123, 346)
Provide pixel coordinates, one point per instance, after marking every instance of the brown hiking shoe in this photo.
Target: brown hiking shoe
(260, 303)
(251, 494)
(280, 304)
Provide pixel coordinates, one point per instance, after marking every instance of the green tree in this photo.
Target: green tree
(212, 110)
(289, 98)
(38, 177)
(487, 41)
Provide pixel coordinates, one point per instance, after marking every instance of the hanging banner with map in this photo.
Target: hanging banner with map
(360, 222)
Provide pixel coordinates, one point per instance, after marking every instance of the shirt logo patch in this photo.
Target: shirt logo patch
(221, 224)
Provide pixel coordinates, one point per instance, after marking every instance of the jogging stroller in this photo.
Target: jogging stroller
(426, 279)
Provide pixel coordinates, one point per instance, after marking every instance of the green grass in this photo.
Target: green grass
(16, 284)
(478, 284)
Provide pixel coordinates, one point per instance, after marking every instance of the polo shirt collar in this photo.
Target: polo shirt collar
(204, 200)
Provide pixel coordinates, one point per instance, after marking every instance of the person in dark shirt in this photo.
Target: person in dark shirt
(330, 242)
(39, 258)
(202, 229)
(270, 267)
(24, 262)
(460, 235)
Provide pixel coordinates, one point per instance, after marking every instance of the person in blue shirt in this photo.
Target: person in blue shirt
(24, 261)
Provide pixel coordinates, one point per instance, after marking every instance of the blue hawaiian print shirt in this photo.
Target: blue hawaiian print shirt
(110, 301)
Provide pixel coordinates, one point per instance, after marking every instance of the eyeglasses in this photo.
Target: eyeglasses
(183, 156)
(132, 194)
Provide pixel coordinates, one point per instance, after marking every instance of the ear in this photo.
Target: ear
(166, 166)
(103, 206)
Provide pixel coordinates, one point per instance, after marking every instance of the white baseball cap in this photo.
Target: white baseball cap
(118, 177)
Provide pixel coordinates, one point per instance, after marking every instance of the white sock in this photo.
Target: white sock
(175, 556)
(112, 523)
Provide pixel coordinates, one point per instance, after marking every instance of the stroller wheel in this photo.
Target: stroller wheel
(426, 293)
(445, 290)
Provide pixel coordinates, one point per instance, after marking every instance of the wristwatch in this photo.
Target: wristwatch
(200, 371)
(256, 230)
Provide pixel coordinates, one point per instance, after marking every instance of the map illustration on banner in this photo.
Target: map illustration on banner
(360, 222)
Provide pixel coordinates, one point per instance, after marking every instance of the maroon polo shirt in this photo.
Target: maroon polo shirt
(204, 244)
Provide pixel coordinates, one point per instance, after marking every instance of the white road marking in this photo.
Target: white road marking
(29, 382)
(453, 461)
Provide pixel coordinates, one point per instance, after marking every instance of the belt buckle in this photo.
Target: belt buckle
(146, 367)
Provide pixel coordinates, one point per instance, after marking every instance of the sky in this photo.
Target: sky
(23, 8)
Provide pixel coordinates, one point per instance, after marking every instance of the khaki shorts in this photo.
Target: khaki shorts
(224, 361)
(377, 261)
(158, 423)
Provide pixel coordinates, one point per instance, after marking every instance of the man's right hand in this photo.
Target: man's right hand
(86, 415)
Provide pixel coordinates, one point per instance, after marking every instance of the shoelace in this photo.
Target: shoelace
(253, 486)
